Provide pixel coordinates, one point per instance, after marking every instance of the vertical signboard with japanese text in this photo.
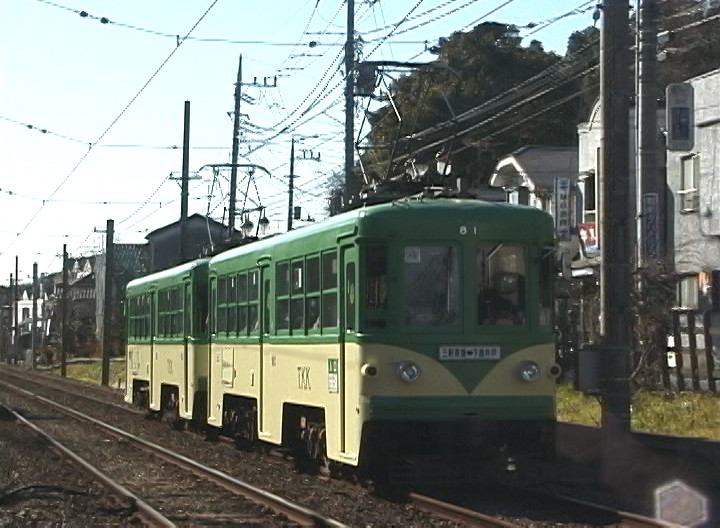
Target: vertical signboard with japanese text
(562, 208)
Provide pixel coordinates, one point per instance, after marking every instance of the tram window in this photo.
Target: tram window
(501, 272)
(242, 291)
(202, 312)
(329, 271)
(222, 289)
(547, 274)
(187, 311)
(297, 315)
(253, 318)
(232, 319)
(377, 277)
(242, 320)
(350, 296)
(283, 279)
(297, 277)
(432, 278)
(312, 309)
(266, 304)
(232, 289)
(312, 281)
(222, 320)
(283, 314)
(329, 310)
(253, 286)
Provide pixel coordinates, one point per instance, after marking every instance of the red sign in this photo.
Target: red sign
(588, 235)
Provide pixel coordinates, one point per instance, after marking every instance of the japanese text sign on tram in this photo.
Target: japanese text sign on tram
(562, 207)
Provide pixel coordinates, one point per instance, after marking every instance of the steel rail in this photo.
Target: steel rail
(294, 512)
(71, 392)
(149, 513)
(454, 512)
(627, 519)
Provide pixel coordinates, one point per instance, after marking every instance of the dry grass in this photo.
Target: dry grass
(92, 372)
(674, 413)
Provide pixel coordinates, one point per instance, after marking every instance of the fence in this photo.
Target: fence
(691, 362)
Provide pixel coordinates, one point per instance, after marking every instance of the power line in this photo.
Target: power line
(79, 202)
(106, 21)
(434, 19)
(112, 124)
(579, 10)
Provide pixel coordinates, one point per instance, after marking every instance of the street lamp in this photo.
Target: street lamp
(247, 226)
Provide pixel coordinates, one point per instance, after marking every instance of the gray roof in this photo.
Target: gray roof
(536, 166)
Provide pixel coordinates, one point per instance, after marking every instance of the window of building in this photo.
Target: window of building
(501, 272)
(432, 278)
(688, 292)
(689, 184)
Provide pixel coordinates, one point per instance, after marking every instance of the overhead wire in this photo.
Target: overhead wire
(433, 19)
(176, 37)
(112, 124)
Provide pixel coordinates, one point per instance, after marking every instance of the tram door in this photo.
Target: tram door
(348, 325)
(152, 330)
(264, 324)
(188, 352)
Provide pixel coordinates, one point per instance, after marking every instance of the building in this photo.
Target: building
(203, 234)
(693, 176)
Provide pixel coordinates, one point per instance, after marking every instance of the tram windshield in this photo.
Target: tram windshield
(501, 270)
(431, 285)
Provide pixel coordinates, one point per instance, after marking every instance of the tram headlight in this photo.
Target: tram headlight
(408, 371)
(529, 371)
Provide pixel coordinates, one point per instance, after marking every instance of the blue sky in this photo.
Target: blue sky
(75, 76)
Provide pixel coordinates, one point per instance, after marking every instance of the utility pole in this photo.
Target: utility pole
(33, 330)
(615, 229)
(291, 185)
(16, 332)
(232, 210)
(349, 100)
(184, 184)
(235, 147)
(651, 203)
(107, 302)
(9, 343)
(64, 300)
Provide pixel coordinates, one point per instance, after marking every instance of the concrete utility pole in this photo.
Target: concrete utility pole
(33, 330)
(232, 209)
(9, 349)
(107, 301)
(615, 243)
(16, 332)
(235, 147)
(651, 203)
(64, 300)
(184, 184)
(349, 99)
(291, 184)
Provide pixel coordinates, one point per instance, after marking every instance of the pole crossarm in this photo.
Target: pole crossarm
(238, 165)
(410, 65)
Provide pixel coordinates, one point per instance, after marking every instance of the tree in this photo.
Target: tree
(485, 63)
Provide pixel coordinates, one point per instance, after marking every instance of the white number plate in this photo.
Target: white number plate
(459, 353)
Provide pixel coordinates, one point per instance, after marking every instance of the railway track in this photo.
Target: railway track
(435, 506)
(179, 492)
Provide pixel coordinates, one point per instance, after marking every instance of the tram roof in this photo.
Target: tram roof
(170, 273)
(407, 213)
